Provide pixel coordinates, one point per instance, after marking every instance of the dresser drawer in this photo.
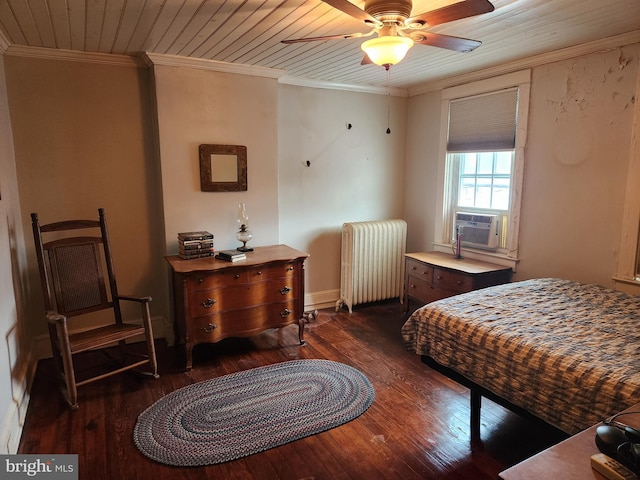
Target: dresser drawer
(207, 302)
(452, 280)
(275, 270)
(419, 269)
(424, 291)
(243, 323)
(418, 288)
(438, 293)
(225, 277)
(217, 279)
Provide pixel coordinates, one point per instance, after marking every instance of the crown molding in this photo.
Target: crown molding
(603, 45)
(74, 56)
(152, 59)
(306, 82)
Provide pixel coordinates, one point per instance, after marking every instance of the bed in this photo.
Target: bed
(566, 352)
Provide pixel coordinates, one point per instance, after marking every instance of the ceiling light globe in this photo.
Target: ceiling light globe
(387, 50)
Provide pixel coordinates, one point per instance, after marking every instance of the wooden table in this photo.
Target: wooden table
(569, 459)
(216, 299)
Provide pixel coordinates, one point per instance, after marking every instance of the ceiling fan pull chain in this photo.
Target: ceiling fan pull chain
(388, 100)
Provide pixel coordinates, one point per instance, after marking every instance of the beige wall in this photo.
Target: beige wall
(197, 106)
(354, 174)
(421, 177)
(576, 160)
(577, 157)
(83, 140)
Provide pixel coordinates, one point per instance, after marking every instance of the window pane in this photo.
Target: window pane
(500, 199)
(467, 193)
(468, 166)
(483, 193)
(503, 162)
(485, 163)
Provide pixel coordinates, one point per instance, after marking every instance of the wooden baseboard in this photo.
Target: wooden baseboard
(323, 299)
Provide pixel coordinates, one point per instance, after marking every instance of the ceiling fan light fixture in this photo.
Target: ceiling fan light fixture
(387, 50)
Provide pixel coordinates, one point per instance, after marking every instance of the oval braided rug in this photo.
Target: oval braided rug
(243, 413)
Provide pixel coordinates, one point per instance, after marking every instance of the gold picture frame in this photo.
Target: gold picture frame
(223, 168)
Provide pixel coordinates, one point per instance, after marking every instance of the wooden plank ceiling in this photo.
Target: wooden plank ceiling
(250, 32)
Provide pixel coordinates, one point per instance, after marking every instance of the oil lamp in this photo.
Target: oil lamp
(243, 234)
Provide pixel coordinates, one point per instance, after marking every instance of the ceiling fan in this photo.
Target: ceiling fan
(397, 30)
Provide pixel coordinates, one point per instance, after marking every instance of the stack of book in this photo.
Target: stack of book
(195, 245)
(231, 255)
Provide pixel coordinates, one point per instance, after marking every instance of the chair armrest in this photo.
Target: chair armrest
(134, 299)
(54, 317)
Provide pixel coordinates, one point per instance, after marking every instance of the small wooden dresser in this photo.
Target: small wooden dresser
(215, 299)
(430, 276)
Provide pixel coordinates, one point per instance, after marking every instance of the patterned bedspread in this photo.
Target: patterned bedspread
(567, 352)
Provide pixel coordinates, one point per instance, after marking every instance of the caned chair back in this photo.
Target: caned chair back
(76, 270)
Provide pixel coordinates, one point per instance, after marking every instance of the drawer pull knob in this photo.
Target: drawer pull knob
(236, 276)
(200, 280)
(290, 268)
(284, 290)
(259, 272)
(208, 303)
(439, 277)
(210, 328)
(285, 313)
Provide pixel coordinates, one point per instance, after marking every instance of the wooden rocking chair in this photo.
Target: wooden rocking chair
(72, 275)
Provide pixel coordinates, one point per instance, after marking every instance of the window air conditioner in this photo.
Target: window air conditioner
(477, 230)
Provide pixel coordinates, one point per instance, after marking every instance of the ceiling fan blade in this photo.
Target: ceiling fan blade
(356, 12)
(446, 41)
(464, 9)
(328, 37)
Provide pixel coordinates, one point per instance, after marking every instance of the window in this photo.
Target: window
(485, 179)
(482, 184)
(484, 131)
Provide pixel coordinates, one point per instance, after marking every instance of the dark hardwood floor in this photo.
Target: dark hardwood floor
(417, 427)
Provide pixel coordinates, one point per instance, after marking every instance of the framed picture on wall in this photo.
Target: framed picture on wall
(223, 168)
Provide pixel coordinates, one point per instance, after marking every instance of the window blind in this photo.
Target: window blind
(483, 122)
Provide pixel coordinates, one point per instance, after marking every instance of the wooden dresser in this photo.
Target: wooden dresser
(430, 276)
(215, 299)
